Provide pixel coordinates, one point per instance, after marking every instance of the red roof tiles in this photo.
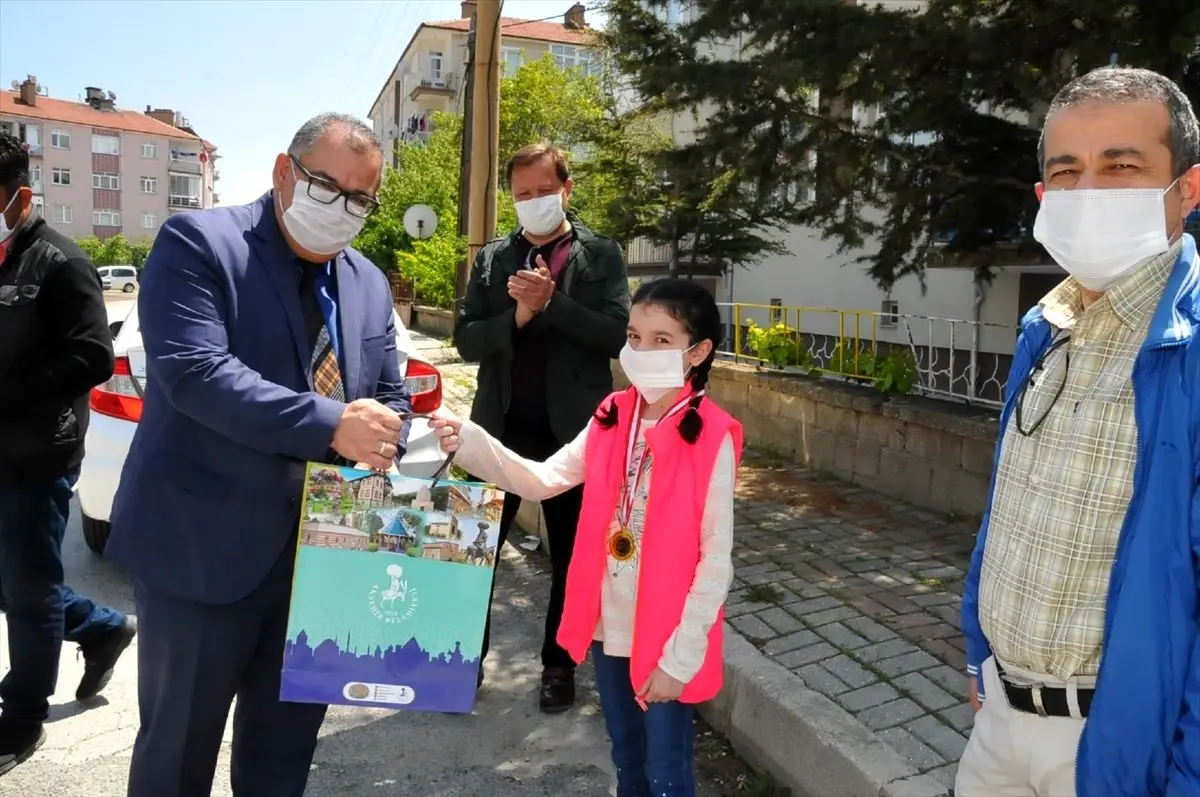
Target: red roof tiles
(542, 30)
(79, 113)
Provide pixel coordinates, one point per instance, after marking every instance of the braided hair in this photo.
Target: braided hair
(694, 307)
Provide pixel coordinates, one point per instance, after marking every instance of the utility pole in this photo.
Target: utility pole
(485, 133)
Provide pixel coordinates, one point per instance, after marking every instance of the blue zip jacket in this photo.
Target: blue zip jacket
(1142, 736)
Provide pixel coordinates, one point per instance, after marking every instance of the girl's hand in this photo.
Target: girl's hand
(661, 688)
(447, 427)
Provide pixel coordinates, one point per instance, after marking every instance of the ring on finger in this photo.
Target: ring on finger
(382, 447)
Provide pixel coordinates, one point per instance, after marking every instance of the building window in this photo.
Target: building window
(106, 180)
(60, 176)
(35, 178)
(184, 191)
(149, 220)
(149, 185)
(149, 150)
(60, 140)
(106, 145)
(889, 313)
(106, 218)
(567, 57)
(511, 60)
(777, 311)
(435, 67)
(39, 207)
(63, 214)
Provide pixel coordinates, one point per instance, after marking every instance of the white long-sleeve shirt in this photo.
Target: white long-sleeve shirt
(685, 650)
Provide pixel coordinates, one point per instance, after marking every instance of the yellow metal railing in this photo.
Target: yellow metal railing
(816, 339)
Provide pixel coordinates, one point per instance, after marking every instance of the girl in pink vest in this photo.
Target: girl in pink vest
(652, 560)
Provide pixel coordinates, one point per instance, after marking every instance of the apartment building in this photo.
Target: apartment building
(97, 169)
(430, 75)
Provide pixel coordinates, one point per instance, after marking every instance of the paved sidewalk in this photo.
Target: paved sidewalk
(856, 594)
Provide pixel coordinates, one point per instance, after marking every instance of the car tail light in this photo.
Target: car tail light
(424, 385)
(119, 397)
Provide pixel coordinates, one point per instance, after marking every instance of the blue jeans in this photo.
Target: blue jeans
(42, 612)
(651, 749)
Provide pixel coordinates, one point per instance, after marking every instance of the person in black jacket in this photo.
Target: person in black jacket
(544, 315)
(55, 346)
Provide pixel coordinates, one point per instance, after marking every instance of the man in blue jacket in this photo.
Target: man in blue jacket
(269, 343)
(1080, 608)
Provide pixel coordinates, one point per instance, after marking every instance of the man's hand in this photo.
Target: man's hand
(532, 289)
(660, 688)
(368, 433)
(973, 691)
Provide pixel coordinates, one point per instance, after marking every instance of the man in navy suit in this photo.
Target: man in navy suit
(269, 343)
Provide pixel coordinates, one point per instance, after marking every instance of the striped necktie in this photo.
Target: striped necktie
(326, 374)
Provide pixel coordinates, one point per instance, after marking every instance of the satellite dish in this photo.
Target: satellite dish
(420, 221)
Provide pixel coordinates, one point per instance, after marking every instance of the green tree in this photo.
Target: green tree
(111, 251)
(953, 98)
(614, 166)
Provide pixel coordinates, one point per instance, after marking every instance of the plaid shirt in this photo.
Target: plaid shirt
(1061, 494)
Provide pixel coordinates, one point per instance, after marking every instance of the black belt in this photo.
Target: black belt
(1045, 701)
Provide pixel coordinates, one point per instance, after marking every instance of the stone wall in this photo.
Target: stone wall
(433, 321)
(931, 453)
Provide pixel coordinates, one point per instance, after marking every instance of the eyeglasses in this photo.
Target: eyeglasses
(1038, 368)
(326, 192)
(17, 294)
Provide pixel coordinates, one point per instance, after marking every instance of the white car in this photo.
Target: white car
(117, 407)
(121, 278)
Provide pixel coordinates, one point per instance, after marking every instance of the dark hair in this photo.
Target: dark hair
(14, 165)
(690, 304)
(534, 153)
(1114, 84)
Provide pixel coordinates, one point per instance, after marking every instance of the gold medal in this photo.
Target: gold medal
(622, 545)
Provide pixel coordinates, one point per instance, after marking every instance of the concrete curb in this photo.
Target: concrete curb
(807, 742)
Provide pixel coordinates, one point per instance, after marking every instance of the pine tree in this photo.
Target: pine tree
(924, 123)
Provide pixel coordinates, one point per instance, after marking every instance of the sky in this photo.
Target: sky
(246, 73)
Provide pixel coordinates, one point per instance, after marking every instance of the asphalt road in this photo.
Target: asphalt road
(506, 748)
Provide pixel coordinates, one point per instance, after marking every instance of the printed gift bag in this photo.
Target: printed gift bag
(391, 589)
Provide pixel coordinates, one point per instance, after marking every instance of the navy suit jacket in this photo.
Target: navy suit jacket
(210, 492)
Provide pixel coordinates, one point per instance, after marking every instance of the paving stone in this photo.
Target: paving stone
(850, 671)
(805, 608)
(869, 629)
(891, 714)
(798, 658)
(868, 697)
(906, 663)
(802, 589)
(781, 621)
(763, 565)
(962, 717)
(925, 691)
(945, 775)
(841, 637)
(794, 641)
(948, 742)
(952, 680)
(764, 578)
(821, 680)
(909, 746)
(884, 650)
(935, 599)
(834, 615)
(750, 626)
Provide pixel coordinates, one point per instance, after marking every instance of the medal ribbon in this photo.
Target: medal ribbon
(626, 510)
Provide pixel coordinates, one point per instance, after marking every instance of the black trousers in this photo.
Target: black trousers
(529, 434)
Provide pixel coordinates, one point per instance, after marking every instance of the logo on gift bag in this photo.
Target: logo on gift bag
(395, 603)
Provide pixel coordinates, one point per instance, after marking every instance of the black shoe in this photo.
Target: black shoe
(100, 657)
(18, 741)
(558, 690)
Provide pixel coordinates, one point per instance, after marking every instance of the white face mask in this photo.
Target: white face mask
(655, 373)
(1100, 236)
(6, 232)
(321, 229)
(543, 215)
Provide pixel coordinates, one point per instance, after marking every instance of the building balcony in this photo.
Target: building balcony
(35, 150)
(186, 162)
(444, 86)
(180, 201)
(37, 187)
(643, 251)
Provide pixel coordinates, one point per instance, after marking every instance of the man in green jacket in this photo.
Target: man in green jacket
(545, 313)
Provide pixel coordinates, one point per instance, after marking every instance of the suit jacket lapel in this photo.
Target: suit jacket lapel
(277, 260)
(349, 313)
